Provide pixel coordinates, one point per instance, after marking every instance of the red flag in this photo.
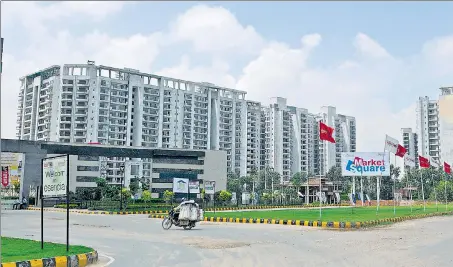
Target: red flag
(424, 162)
(447, 168)
(326, 133)
(401, 151)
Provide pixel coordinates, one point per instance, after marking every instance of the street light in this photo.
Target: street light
(121, 188)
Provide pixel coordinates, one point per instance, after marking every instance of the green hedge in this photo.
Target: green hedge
(63, 206)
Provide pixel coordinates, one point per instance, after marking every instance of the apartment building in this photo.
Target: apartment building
(446, 124)
(435, 126)
(88, 103)
(290, 139)
(428, 127)
(410, 143)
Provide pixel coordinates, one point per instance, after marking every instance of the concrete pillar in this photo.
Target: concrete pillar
(32, 169)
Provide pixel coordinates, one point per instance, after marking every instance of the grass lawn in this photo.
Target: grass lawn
(16, 249)
(358, 214)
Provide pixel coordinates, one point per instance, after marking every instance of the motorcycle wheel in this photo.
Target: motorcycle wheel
(166, 223)
(187, 227)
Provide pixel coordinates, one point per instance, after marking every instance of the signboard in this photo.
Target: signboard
(365, 164)
(14, 163)
(209, 187)
(5, 176)
(194, 187)
(180, 185)
(54, 173)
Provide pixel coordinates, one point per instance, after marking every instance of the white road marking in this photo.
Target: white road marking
(111, 260)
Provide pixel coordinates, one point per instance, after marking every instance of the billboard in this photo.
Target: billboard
(54, 176)
(194, 187)
(365, 164)
(180, 185)
(14, 163)
(209, 187)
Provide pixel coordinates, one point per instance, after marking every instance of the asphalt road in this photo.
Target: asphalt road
(136, 240)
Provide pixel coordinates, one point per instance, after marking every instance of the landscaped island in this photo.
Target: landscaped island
(16, 249)
(356, 214)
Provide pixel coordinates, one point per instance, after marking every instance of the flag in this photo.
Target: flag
(424, 162)
(326, 132)
(447, 168)
(409, 161)
(401, 151)
(391, 144)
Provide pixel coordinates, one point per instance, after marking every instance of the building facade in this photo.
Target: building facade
(435, 126)
(86, 103)
(410, 143)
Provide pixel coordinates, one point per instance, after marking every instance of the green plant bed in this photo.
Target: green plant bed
(357, 214)
(16, 249)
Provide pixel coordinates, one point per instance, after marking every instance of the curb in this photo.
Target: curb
(404, 218)
(166, 211)
(80, 260)
(272, 207)
(103, 212)
(320, 224)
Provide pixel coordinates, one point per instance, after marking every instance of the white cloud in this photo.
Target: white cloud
(215, 30)
(364, 85)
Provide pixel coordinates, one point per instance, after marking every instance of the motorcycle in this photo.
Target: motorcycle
(173, 219)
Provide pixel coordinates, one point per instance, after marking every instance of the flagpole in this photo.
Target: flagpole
(445, 184)
(423, 192)
(320, 173)
(361, 186)
(435, 193)
(394, 185)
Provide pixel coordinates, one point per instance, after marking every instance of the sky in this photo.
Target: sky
(371, 60)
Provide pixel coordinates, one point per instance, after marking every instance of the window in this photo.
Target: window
(88, 168)
(84, 179)
(88, 158)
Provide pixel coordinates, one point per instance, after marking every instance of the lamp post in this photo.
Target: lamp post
(121, 188)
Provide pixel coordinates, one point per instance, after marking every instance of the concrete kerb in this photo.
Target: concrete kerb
(101, 212)
(166, 211)
(321, 224)
(79, 260)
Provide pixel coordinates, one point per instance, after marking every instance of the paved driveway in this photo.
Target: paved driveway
(136, 240)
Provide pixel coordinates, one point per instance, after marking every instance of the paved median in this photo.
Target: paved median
(79, 260)
(275, 217)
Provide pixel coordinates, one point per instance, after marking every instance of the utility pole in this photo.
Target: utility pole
(1, 68)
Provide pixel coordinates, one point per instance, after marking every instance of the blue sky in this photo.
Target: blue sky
(369, 59)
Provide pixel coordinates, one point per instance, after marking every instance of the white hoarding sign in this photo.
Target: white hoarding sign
(365, 164)
(180, 185)
(209, 187)
(194, 187)
(54, 173)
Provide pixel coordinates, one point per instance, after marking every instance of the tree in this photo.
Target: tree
(146, 195)
(134, 186)
(126, 194)
(168, 196)
(225, 196)
(16, 186)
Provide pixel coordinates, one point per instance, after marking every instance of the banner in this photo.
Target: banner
(54, 173)
(209, 187)
(409, 161)
(365, 164)
(5, 176)
(180, 185)
(194, 187)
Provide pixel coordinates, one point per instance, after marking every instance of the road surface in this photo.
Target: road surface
(136, 240)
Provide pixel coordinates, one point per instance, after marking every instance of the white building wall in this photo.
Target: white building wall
(84, 103)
